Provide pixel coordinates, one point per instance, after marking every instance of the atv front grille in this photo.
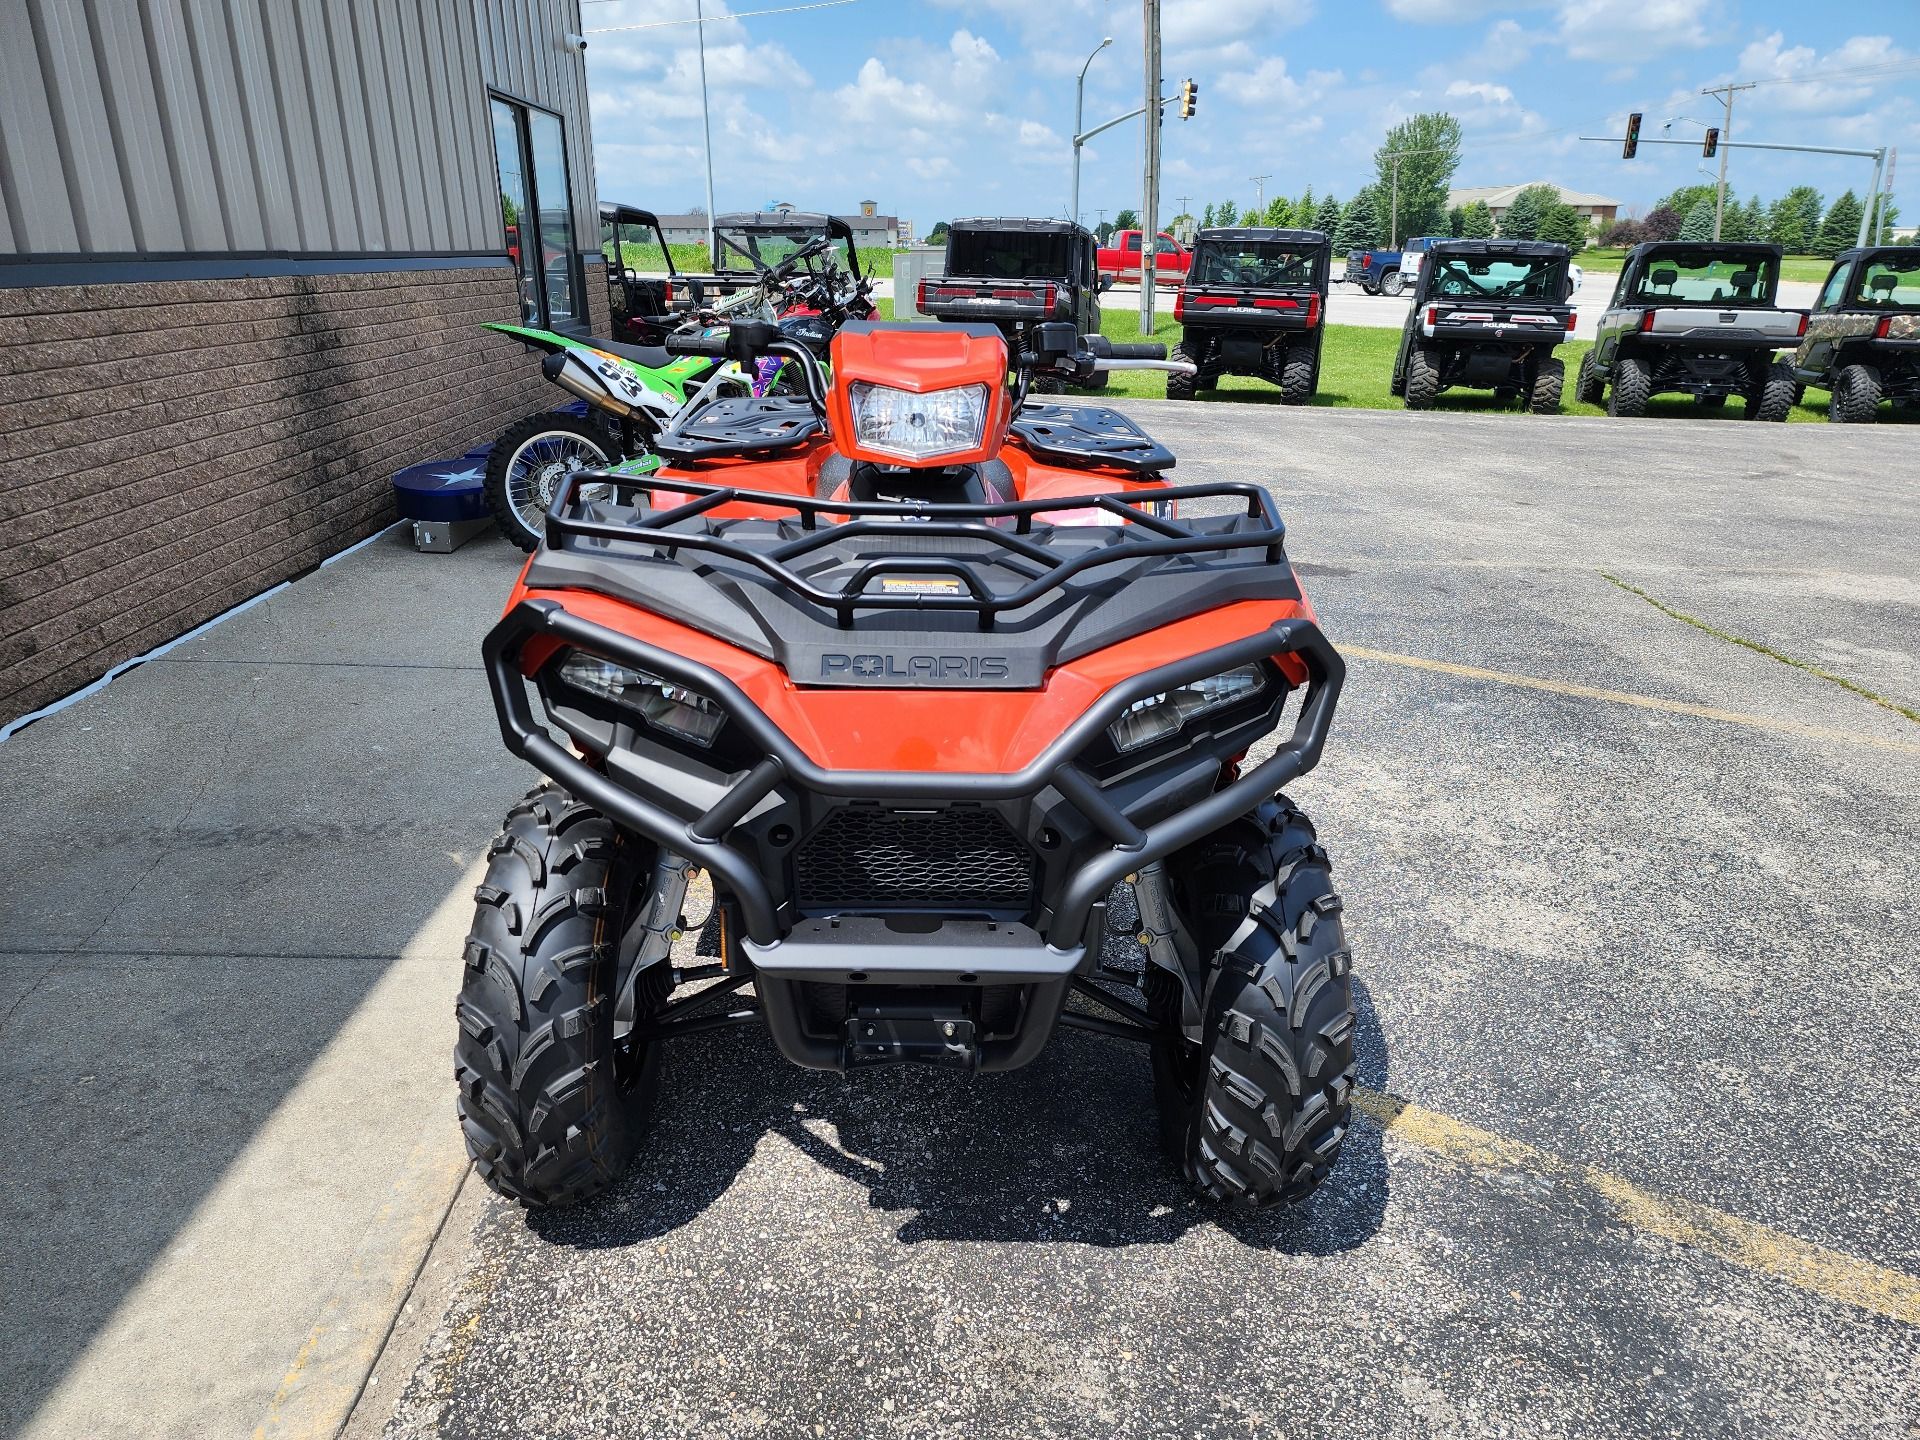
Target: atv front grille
(959, 858)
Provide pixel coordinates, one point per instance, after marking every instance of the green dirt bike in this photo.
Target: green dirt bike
(631, 392)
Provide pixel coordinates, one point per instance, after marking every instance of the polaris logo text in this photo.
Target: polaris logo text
(915, 667)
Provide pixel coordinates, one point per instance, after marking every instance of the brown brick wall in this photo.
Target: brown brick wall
(170, 448)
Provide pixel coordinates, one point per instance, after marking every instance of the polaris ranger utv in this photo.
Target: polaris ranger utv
(1697, 317)
(1487, 315)
(915, 742)
(1016, 274)
(1252, 306)
(1862, 343)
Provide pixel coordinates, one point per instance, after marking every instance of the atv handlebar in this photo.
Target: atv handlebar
(1149, 351)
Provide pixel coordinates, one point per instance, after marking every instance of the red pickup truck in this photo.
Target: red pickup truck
(1120, 258)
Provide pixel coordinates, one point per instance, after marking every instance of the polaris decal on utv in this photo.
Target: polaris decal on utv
(914, 743)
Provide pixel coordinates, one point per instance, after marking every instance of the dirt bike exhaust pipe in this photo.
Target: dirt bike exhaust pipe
(578, 378)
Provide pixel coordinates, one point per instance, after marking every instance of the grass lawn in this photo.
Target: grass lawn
(1356, 368)
(1810, 268)
(693, 259)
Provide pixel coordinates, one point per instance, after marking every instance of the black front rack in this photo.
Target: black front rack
(671, 530)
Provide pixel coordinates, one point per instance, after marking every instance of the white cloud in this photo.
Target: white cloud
(1631, 30)
(1505, 46)
(1443, 12)
(1480, 89)
(1822, 83)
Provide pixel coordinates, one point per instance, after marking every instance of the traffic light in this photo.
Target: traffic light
(1189, 92)
(1712, 142)
(1633, 136)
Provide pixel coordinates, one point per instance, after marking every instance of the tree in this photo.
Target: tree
(1529, 212)
(1661, 223)
(1225, 213)
(1794, 219)
(1104, 231)
(1181, 227)
(1127, 220)
(1887, 215)
(1327, 218)
(1699, 222)
(1206, 217)
(1841, 227)
(1682, 201)
(1456, 222)
(1624, 235)
(938, 235)
(1476, 221)
(1753, 219)
(1360, 226)
(1424, 176)
(1564, 225)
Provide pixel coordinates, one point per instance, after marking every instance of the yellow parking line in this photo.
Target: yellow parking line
(1759, 1248)
(1627, 697)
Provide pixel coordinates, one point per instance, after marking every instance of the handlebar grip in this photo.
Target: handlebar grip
(714, 347)
(1147, 351)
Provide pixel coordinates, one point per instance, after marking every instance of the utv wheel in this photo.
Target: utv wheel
(1632, 384)
(1543, 398)
(1255, 1114)
(1856, 396)
(1180, 387)
(1297, 380)
(1587, 388)
(1393, 283)
(1421, 383)
(1046, 385)
(551, 1105)
(529, 461)
(1772, 399)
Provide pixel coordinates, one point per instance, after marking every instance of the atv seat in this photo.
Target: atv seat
(1664, 279)
(1743, 282)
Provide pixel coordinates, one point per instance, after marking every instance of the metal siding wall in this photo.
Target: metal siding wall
(130, 126)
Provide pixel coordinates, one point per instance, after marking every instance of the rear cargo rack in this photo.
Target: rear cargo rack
(686, 527)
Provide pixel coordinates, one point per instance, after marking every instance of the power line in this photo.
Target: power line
(695, 20)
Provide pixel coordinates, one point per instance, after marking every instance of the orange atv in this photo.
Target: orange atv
(918, 674)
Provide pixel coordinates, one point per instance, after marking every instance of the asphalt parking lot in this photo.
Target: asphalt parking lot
(1633, 907)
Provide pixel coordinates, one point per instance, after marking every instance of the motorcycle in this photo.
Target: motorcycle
(633, 391)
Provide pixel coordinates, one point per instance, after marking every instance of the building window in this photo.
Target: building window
(536, 207)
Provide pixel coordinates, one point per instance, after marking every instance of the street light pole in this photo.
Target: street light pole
(1150, 167)
(1079, 99)
(706, 123)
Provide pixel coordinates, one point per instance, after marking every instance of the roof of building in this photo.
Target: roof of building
(1498, 197)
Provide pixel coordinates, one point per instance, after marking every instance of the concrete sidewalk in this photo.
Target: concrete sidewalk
(237, 882)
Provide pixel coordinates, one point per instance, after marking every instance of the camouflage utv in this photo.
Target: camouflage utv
(1862, 344)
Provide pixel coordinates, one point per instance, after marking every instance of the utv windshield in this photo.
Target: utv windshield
(1704, 280)
(764, 248)
(1891, 282)
(1482, 277)
(1010, 255)
(1253, 262)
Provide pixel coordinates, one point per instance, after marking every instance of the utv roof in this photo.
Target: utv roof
(1019, 223)
(1873, 252)
(780, 221)
(1704, 247)
(1543, 248)
(1257, 234)
(627, 214)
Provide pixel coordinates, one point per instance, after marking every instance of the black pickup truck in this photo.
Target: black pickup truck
(1487, 315)
(1252, 305)
(1016, 274)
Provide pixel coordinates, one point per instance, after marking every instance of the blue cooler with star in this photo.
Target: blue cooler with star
(444, 490)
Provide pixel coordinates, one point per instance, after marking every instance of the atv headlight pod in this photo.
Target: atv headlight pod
(918, 426)
(663, 704)
(1158, 716)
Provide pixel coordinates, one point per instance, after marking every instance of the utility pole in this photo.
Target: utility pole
(1260, 193)
(706, 125)
(1725, 94)
(1150, 167)
(1184, 201)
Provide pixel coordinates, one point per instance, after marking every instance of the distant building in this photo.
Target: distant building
(881, 232)
(1599, 211)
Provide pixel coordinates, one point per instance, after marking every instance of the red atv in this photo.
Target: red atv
(917, 673)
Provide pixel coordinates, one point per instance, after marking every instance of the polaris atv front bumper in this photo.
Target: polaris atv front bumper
(743, 826)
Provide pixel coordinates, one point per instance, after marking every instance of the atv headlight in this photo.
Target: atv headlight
(918, 427)
(663, 704)
(1159, 716)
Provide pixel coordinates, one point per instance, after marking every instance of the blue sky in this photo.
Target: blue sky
(938, 108)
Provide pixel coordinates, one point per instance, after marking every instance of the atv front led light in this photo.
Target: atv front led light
(661, 703)
(918, 427)
(1159, 716)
